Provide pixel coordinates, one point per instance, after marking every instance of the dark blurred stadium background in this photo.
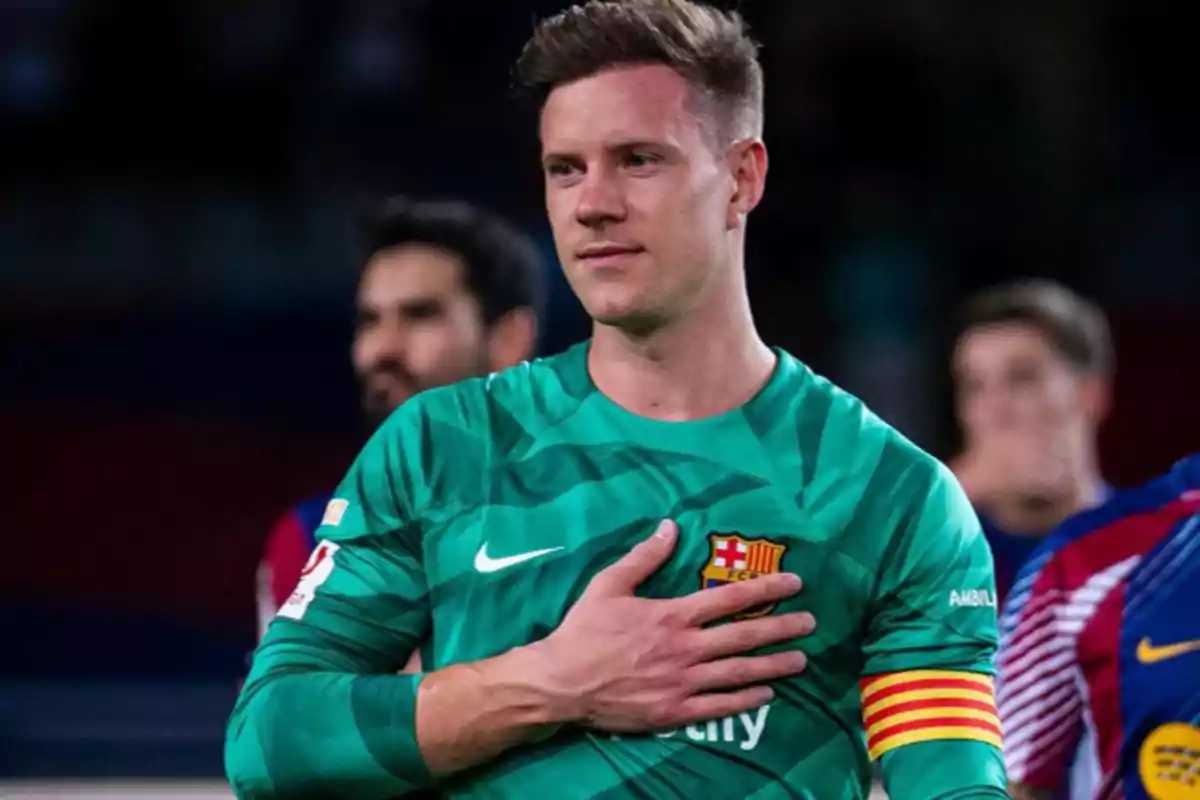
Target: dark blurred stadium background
(176, 186)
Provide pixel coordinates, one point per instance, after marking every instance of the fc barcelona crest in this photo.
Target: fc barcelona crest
(735, 558)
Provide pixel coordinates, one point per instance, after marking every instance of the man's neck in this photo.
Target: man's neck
(702, 366)
(1035, 516)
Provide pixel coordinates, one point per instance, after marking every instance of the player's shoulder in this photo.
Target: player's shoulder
(1180, 484)
(499, 409)
(840, 433)
(1103, 535)
(545, 387)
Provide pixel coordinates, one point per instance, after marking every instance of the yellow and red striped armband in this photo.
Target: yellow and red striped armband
(927, 705)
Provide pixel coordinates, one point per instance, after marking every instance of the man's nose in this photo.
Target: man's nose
(601, 200)
(388, 342)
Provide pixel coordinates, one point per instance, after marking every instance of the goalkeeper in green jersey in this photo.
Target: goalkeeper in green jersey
(505, 524)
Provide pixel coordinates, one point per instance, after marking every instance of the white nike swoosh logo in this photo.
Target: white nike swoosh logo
(485, 563)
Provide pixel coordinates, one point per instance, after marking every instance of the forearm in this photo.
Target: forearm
(298, 729)
(468, 714)
(293, 733)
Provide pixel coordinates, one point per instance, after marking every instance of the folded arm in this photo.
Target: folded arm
(928, 701)
(323, 710)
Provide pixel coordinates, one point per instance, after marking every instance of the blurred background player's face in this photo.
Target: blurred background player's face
(636, 197)
(1010, 379)
(419, 326)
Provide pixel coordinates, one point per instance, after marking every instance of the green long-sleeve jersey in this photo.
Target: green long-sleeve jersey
(477, 514)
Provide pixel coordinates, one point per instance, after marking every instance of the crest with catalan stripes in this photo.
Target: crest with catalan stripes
(902, 708)
(735, 558)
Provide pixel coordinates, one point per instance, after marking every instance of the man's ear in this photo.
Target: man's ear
(747, 160)
(1096, 394)
(511, 339)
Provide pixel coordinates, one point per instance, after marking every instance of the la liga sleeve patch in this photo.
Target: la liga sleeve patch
(316, 571)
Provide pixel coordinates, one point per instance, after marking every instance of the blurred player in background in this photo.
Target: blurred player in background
(447, 292)
(561, 536)
(1101, 647)
(1032, 371)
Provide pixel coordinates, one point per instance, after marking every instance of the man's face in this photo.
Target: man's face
(419, 326)
(1008, 378)
(637, 199)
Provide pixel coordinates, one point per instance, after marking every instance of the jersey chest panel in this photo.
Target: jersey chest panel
(507, 573)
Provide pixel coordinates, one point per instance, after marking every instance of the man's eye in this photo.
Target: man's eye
(559, 169)
(417, 312)
(636, 160)
(1025, 376)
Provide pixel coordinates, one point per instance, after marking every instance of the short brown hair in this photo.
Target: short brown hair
(709, 48)
(1075, 327)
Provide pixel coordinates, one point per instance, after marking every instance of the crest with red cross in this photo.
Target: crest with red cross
(736, 558)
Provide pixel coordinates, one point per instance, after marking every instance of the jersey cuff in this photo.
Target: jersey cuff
(388, 704)
(414, 763)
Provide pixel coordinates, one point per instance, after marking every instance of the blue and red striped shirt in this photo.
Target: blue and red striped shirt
(1100, 649)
